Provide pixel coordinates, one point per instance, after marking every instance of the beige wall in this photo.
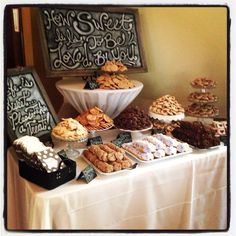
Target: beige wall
(180, 44)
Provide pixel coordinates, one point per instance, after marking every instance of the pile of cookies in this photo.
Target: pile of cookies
(114, 66)
(95, 119)
(166, 105)
(202, 110)
(107, 157)
(132, 118)
(113, 78)
(114, 81)
(202, 97)
(70, 130)
(203, 83)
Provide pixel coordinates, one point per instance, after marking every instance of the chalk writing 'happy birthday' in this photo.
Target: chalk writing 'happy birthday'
(81, 39)
(26, 113)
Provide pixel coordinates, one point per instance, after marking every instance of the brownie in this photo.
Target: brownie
(196, 134)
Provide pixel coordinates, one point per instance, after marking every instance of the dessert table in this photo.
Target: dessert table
(188, 192)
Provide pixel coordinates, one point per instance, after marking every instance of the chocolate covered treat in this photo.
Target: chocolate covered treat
(196, 134)
(132, 118)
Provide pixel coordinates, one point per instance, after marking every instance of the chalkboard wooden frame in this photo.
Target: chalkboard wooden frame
(42, 92)
(86, 72)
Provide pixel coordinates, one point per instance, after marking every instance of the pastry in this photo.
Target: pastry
(152, 147)
(103, 166)
(107, 157)
(170, 151)
(159, 153)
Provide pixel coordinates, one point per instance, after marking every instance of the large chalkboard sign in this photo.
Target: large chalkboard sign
(78, 41)
(29, 111)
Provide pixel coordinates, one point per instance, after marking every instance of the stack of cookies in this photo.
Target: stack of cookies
(113, 77)
(95, 119)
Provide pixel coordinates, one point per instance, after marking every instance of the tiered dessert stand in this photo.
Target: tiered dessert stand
(202, 103)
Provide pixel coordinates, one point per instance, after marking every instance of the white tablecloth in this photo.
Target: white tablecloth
(188, 192)
(112, 102)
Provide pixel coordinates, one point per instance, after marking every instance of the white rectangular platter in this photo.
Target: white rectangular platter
(158, 159)
(111, 173)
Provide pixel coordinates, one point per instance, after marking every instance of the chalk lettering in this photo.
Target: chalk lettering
(80, 39)
(58, 19)
(83, 26)
(27, 112)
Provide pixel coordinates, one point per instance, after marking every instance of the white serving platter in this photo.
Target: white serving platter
(111, 173)
(158, 159)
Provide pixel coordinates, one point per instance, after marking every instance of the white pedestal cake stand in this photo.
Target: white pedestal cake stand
(112, 102)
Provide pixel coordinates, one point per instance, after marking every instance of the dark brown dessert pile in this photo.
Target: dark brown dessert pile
(196, 134)
(132, 118)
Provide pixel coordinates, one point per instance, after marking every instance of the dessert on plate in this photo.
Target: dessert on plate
(70, 130)
(95, 119)
(132, 118)
(166, 108)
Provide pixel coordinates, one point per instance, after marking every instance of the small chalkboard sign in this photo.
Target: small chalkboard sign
(88, 174)
(124, 137)
(91, 84)
(78, 40)
(94, 141)
(29, 111)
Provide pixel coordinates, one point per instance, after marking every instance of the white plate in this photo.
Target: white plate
(166, 119)
(98, 130)
(158, 159)
(69, 140)
(103, 173)
(134, 131)
(204, 149)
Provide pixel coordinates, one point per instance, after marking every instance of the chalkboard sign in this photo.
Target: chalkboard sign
(78, 41)
(29, 111)
(95, 141)
(88, 174)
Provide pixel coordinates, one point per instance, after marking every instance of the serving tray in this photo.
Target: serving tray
(136, 157)
(111, 173)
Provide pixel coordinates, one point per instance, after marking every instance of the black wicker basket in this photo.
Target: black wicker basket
(48, 180)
